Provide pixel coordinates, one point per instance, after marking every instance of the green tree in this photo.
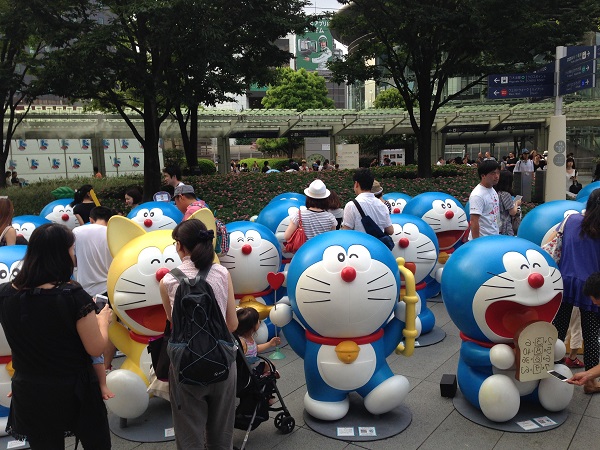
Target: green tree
(419, 44)
(294, 89)
(390, 98)
(152, 58)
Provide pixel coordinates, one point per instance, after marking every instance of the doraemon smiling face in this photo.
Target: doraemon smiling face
(443, 213)
(343, 285)
(253, 253)
(495, 285)
(60, 211)
(156, 216)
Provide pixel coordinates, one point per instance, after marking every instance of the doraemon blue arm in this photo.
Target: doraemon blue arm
(343, 288)
(494, 287)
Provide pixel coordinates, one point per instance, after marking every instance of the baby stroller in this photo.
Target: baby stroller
(255, 388)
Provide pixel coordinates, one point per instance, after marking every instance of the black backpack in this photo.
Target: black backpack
(201, 348)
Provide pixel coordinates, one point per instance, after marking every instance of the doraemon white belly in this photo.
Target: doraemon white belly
(346, 377)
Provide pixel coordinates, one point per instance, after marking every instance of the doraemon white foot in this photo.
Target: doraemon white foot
(388, 395)
(326, 410)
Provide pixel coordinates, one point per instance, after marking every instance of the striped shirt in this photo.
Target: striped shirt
(315, 222)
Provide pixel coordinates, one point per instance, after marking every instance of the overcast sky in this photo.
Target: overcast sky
(323, 5)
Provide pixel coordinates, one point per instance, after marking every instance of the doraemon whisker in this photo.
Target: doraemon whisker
(500, 276)
(132, 303)
(165, 225)
(316, 279)
(318, 301)
(270, 257)
(424, 244)
(133, 282)
(380, 288)
(498, 287)
(501, 297)
(375, 279)
(314, 290)
(431, 218)
(268, 265)
(426, 259)
(387, 299)
(266, 251)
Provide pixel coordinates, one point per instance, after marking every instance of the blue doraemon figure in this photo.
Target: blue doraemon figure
(343, 289)
(11, 258)
(398, 201)
(152, 216)
(24, 225)
(276, 217)
(416, 242)
(253, 254)
(290, 196)
(493, 288)
(539, 223)
(448, 219)
(60, 211)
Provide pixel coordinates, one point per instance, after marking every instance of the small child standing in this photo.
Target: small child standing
(248, 324)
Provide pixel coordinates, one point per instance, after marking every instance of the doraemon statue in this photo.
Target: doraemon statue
(24, 225)
(493, 288)
(11, 258)
(253, 253)
(276, 217)
(140, 261)
(539, 223)
(587, 190)
(153, 216)
(398, 201)
(448, 219)
(290, 196)
(60, 211)
(344, 288)
(416, 242)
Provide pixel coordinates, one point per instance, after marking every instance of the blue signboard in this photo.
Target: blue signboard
(543, 90)
(577, 70)
(519, 79)
(577, 85)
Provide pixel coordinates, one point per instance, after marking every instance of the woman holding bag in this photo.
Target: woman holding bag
(580, 257)
(316, 219)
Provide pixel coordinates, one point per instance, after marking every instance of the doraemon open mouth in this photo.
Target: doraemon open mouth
(151, 317)
(447, 239)
(506, 317)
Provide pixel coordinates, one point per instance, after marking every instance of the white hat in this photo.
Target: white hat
(317, 189)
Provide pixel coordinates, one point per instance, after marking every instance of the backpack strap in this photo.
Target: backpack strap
(183, 278)
(360, 210)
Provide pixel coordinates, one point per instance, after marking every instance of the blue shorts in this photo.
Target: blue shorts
(97, 359)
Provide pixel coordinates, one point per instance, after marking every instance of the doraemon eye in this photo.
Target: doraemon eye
(517, 265)
(59, 209)
(27, 226)
(253, 238)
(538, 262)
(150, 260)
(334, 259)
(15, 268)
(171, 257)
(359, 258)
(156, 213)
(17, 227)
(237, 239)
(439, 206)
(4, 273)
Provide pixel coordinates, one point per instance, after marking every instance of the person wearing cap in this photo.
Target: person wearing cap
(186, 201)
(377, 191)
(372, 207)
(524, 164)
(316, 219)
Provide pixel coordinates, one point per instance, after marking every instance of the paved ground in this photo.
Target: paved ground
(435, 422)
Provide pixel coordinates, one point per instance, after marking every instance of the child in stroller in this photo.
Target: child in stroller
(257, 380)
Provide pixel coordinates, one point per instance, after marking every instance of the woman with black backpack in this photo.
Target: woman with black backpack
(201, 414)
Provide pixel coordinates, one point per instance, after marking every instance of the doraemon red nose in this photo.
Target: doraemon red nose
(160, 273)
(148, 223)
(535, 280)
(246, 249)
(396, 210)
(348, 274)
(403, 243)
(65, 217)
(449, 214)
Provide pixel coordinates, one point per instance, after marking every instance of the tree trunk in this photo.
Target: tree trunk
(191, 153)
(152, 170)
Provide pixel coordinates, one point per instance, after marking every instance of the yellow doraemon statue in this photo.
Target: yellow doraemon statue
(140, 261)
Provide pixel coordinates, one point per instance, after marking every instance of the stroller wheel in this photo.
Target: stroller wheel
(284, 423)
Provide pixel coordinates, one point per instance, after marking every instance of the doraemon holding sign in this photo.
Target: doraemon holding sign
(493, 288)
(344, 320)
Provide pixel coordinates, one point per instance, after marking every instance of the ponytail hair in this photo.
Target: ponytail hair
(194, 236)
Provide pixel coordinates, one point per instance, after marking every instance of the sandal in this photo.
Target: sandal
(574, 363)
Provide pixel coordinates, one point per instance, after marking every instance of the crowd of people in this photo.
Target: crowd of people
(292, 166)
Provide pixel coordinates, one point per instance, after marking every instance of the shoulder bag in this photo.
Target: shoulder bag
(373, 229)
(554, 246)
(297, 238)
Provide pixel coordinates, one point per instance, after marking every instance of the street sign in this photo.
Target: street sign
(307, 133)
(519, 79)
(254, 134)
(517, 126)
(577, 85)
(465, 128)
(543, 90)
(578, 71)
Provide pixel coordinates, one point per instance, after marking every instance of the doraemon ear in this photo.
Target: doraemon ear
(206, 216)
(120, 231)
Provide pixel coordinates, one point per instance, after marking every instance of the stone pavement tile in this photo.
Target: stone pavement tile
(441, 314)
(456, 432)
(449, 366)
(557, 438)
(303, 439)
(428, 412)
(592, 402)
(292, 377)
(587, 435)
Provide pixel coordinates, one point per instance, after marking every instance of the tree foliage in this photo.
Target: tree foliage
(161, 57)
(390, 98)
(419, 44)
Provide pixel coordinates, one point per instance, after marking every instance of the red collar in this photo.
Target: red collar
(5, 359)
(255, 294)
(139, 338)
(286, 260)
(466, 338)
(335, 341)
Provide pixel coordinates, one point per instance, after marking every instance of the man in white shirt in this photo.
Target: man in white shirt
(172, 176)
(372, 207)
(484, 205)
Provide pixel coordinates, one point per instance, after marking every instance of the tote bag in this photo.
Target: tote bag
(297, 238)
